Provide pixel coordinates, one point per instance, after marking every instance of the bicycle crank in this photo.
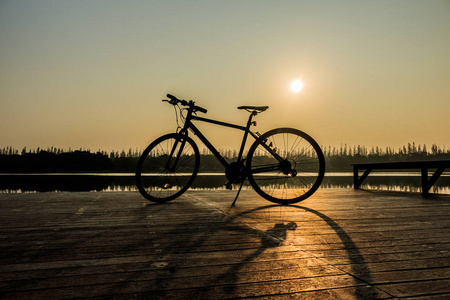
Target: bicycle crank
(235, 173)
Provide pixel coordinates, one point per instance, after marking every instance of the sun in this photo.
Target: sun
(296, 86)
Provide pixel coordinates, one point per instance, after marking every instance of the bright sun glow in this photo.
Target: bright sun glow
(296, 86)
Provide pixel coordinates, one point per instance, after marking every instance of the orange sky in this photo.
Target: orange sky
(91, 74)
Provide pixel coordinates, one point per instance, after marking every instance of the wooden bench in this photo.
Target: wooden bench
(424, 166)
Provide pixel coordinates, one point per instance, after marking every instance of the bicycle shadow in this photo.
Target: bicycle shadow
(276, 236)
(270, 238)
(229, 278)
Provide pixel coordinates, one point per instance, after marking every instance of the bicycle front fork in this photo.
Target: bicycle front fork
(172, 166)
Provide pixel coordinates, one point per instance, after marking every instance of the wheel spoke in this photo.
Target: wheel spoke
(160, 183)
(300, 153)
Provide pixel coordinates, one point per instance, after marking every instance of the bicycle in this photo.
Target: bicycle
(283, 165)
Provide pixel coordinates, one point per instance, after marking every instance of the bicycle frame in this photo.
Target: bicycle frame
(189, 125)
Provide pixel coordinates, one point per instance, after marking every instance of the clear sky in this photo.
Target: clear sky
(92, 74)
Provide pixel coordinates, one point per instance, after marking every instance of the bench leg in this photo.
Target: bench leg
(357, 181)
(427, 184)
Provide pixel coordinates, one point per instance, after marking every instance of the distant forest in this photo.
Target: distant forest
(54, 159)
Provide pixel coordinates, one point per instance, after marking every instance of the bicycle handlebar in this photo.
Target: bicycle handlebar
(201, 109)
(174, 101)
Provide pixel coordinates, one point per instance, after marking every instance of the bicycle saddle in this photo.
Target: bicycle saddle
(254, 108)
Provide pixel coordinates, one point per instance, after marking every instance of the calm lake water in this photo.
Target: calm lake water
(118, 182)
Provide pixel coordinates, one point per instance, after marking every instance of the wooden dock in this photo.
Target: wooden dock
(338, 244)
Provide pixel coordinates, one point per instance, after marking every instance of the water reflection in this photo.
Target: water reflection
(115, 182)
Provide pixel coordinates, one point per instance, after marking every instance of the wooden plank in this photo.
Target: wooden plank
(406, 164)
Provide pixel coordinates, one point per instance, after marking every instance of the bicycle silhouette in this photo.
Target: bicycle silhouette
(283, 165)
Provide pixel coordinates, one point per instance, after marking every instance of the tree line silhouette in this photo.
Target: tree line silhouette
(54, 159)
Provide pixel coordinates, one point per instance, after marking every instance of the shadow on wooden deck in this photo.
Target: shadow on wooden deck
(339, 244)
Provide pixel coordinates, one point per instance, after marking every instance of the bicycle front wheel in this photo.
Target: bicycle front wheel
(285, 165)
(167, 167)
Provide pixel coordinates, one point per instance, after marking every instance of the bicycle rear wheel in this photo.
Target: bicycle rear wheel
(285, 165)
(167, 167)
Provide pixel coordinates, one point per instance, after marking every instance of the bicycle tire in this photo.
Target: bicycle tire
(304, 156)
(154, 180)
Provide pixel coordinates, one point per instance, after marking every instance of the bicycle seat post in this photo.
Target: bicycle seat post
(244, 139)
